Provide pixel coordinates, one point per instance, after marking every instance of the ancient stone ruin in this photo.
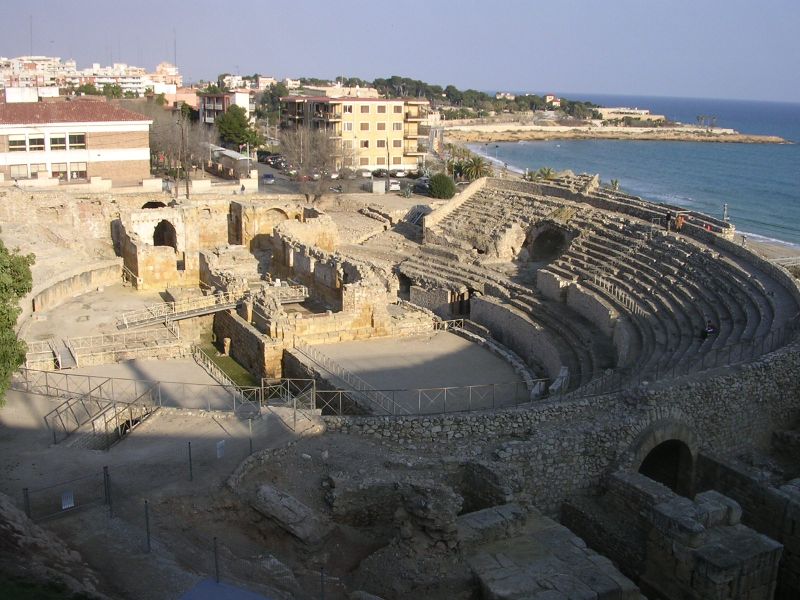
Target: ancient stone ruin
(620, 466)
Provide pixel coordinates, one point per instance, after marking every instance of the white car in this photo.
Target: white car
(394, 185)
(365, 173)
(397, 173)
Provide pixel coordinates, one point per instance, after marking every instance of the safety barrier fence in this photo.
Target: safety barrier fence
(372, 399)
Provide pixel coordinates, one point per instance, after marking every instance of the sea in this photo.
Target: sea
(759, 183)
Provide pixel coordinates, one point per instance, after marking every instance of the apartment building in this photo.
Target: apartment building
(213, 104)
(372, 132)
(73, 141)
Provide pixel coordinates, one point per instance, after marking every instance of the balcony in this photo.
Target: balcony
(414, 116)
(327, 116)
(413, 151)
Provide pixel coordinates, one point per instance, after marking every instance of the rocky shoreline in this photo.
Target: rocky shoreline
(512, 133)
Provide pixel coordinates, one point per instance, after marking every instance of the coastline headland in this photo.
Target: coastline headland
(514, 132)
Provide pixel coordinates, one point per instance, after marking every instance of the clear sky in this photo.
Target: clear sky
(737, 49)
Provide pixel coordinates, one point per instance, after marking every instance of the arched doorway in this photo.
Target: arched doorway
(670, 463)
(154, 205)
(548, 244)
(165, 235)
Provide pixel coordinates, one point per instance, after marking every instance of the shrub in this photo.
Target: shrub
(442, 186)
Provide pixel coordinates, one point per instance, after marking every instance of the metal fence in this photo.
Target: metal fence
(67, 496)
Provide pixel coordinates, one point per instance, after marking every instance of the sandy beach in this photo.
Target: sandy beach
(515, 132)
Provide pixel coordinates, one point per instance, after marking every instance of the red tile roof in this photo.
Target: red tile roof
(75, 111)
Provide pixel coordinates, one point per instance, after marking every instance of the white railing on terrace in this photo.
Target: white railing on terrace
(130, 276)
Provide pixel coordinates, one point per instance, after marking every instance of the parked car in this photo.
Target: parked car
(394, 185)
(268, 178)
(379, 173)
(397, 173)
(422, 187)
(347, 173)
(365, 173)
(333, 175)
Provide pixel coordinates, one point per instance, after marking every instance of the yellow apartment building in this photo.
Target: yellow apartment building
(372, 133)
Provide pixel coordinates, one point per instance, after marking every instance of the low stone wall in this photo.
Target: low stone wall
(773, 511)
(437, 300)
(567, 446)
(512, 328)
(55, 291)
(588, 304)
(249, 347)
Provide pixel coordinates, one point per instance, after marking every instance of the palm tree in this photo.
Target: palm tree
(545, 173)
(476, 167)
(614, 184)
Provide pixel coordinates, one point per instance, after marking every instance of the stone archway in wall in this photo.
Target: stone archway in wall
(154, 204)
(666, 452)
(165, 235)
(547, 241)
(671, 464)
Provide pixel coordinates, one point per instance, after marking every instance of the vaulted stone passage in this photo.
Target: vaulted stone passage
(153, 205)
(670, 463)
(547, 244)
(165, 235)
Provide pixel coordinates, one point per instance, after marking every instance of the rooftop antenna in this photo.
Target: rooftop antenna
(31, 24)
(174, 47)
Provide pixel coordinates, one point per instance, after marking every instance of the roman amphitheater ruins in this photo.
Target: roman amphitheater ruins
(530, 401)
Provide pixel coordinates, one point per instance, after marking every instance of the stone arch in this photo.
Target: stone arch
(154, 204)
(665, 451)
(670, 463)
(165, 235)
(546, 241)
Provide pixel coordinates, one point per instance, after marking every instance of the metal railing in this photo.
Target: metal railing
(246, 400)
(76, 411)
(621, 296)
(131, 277)
(167, 311)
(360, 389)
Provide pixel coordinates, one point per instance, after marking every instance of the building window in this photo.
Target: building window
(381, 109)
(364, 126)
(59, 171)
(347, 144)
(38, 169)
(78, 169)
(363, 161)
(397, 143)
(381, 143)
(398, 109)
(381, 160)
(364, 144)
(364, 108)
(58, 142)
(397, 126)
(348, 108)
(77, 141)
(348, 126)
(18, 171)
(396, 160)
(381, 126)
(16, 143)
(36, 142)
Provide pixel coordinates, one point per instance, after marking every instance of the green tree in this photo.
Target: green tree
(235, 130)
(87, 89)
(112, 90)
(476, 167)
(545, 173)
(442, 186)
(15, 282)
(614, 185)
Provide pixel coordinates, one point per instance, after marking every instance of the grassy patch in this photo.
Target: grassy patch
(230, 367)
